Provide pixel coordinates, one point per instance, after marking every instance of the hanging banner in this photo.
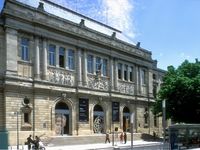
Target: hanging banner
(115, 111)
(83, 110)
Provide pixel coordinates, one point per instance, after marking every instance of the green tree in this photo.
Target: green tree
(181, 90)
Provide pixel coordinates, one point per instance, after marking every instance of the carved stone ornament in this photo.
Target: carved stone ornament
(127, 88)
(61, 77)
(98, 124)
(100, 83)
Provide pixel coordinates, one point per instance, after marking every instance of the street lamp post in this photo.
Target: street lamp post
(17, 130)
(164, 119)
(132, 121)
(17, 115)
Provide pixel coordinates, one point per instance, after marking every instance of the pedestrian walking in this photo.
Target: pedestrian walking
(107, 138)
(125, 137)
(29, 141)
(121, 137)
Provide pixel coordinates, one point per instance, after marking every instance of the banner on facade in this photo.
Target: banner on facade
(115, 111)
(83, 110)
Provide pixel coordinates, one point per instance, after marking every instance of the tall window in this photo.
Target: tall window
(126, 72)
(146, 115)
(98, 65)
(71, 59)
(130, 73)
(90, 64)
(26, 117)
(25, 49)
(155, 121)
(119, 71)
(105, 66)
(52, 55)
(143, 74)
(62, 57)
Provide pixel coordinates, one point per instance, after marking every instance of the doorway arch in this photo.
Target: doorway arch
(61, 118)
(126, 119)
(98, 119)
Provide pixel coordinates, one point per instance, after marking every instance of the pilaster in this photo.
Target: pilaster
(57, 56)
(123, 72)
(116, 74)
(84, 68)
(150, 82)
(37, 59)
(11, 48)
(44, 64)
(111, 74)
(79, 67)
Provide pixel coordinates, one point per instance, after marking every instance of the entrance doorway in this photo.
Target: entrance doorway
(61, 118)
(126, 119)
(98, 121)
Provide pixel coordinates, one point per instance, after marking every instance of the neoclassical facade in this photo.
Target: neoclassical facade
(59, 77)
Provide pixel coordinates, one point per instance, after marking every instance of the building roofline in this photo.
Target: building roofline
(78, 14)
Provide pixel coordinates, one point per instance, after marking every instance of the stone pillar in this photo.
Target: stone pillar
(94, 65)
(150, 82)
(66, 59)
(57, 56)
(123, 72)
(11, 50)
(137, 81)
(84, 68)
(37, 59)
(111, 74)
(44, 64)
(79, 67)
(116, 74)
(128, 73)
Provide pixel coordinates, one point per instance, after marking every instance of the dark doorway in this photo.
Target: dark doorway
(61, 118)
(126, 119)
(98, 122)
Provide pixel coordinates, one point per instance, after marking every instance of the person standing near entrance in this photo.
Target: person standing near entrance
(107, 138)
(125, 137)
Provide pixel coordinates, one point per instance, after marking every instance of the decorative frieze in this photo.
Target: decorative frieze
(98, 83)
(126, 88)
(61, 77)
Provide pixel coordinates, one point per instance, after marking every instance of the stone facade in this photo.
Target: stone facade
(52, 93)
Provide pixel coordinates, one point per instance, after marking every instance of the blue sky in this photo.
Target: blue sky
(170, 29)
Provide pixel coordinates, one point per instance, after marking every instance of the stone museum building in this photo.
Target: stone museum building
(62, 73)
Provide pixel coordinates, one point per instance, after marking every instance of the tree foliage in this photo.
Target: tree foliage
(181, 90)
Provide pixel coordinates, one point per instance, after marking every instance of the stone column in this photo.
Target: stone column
(136, 80)
(79, 67)
(37, 59)
(116, 74)
(66, 59)
(11, 50)
(57, 56)
(111, 74)
(150, 83)
(94, 65)
(44, 64)
(123, 72)
(128, 73)
(84, 68)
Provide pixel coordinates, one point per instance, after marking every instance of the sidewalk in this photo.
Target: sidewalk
(100, 145)
(91, 146)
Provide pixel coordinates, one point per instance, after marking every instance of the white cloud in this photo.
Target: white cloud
(115, 13)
